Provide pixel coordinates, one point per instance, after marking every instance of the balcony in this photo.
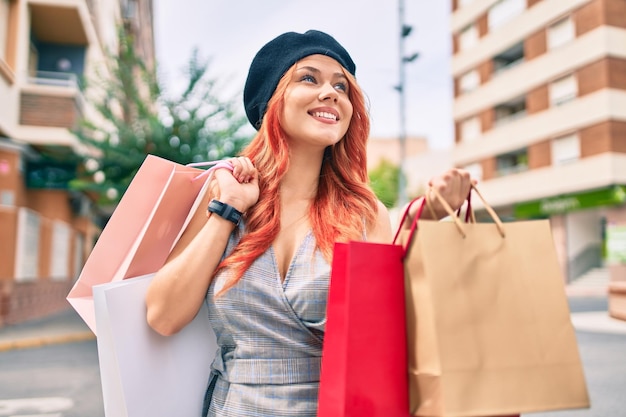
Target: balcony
(508, 59)
(51, 96)
(509, 111)
(51, 99)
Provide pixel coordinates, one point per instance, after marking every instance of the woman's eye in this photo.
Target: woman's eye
(308, 78)
(341, 87)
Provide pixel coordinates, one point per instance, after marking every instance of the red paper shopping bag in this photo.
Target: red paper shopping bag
(142, 230)
(364, 360)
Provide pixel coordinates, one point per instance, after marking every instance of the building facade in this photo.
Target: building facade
(540, 118)
(47, 48)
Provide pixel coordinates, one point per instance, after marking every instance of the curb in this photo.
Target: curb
(43, 341)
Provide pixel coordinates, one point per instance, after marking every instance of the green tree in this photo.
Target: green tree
(137, 118)
(384, 180)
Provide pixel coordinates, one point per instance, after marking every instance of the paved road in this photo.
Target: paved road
(49, 368)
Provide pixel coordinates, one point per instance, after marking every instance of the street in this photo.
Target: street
(62, 380)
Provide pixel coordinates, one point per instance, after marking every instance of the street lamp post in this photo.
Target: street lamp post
(405, 31)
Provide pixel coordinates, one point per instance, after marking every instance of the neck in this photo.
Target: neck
(301, 180)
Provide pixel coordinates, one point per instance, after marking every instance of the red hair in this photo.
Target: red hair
(343, 192)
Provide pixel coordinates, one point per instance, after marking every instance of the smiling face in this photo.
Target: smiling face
(317, 110)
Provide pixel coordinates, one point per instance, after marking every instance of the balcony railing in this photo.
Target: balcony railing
(58, 79)
(509, 118)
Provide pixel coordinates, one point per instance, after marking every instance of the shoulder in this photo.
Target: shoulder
(380, 232)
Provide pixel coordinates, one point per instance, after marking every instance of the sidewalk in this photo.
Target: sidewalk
(67, 326)
(63, 327)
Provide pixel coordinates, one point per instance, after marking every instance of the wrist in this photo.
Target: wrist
(225, 211)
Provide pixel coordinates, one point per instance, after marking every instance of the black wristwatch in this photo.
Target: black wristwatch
(225, 211)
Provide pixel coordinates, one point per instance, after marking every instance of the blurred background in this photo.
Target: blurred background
(528, 95)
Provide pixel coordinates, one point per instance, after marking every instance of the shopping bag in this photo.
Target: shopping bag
(488, 323)
(141, 231)
(144, 374)
(364, 369)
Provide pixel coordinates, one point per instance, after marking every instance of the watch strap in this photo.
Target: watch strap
(225, 211)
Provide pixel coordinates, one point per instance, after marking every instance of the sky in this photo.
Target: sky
(230, 32)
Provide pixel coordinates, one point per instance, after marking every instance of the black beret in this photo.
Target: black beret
(276, 57)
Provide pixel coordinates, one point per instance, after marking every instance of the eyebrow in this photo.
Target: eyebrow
(317, 71)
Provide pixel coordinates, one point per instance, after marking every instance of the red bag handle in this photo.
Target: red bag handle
(406, 213)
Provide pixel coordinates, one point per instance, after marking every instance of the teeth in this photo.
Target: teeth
(325, 115)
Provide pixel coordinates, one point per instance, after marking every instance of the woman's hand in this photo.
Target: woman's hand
(453, 186)
(239, 188)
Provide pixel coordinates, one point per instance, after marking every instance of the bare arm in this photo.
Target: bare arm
(381, 232)
(178, 290)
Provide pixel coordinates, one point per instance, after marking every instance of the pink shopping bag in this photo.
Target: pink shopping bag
(140, 234)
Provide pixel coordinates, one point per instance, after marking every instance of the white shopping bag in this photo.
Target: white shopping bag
(145, 374)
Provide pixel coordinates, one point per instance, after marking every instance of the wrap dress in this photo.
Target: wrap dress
(269, 335)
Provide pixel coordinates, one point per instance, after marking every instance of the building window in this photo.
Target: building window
(60, 251)
(563, 90)
(565, 149)
(561, 33)
(512, 162)
(504, 11)
(471, 129)
(79, 261)
(468, 37)
(27, 245)
(510, 111)
(469, 81)
(475, 170)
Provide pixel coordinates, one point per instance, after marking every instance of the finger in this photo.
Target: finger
(240, 167)
(248, 169)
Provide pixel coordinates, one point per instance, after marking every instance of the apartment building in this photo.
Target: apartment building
(540, 118)
(47, 47)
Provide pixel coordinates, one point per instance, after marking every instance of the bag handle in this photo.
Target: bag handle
(216, 165)
(405, 214)
(455, 218)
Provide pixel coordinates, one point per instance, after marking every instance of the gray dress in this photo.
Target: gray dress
(270, 336)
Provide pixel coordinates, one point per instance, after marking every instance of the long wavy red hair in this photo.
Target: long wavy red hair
(343, 192)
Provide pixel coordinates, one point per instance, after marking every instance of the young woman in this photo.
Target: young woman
(299, 186)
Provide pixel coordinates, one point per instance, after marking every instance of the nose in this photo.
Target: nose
(328, 92)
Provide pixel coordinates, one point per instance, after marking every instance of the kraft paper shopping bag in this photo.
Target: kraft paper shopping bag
(141, 231)
(364, 370)
(488, 323)
(145, 374)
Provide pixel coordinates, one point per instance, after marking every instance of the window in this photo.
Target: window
(60, 251)
(469, 81)
(468, 37)
(79, 261)
(27, 245)
(561, 33)
(503, 11)
(563, 90)
(512, 162)
(471, 129)
(565, 149)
